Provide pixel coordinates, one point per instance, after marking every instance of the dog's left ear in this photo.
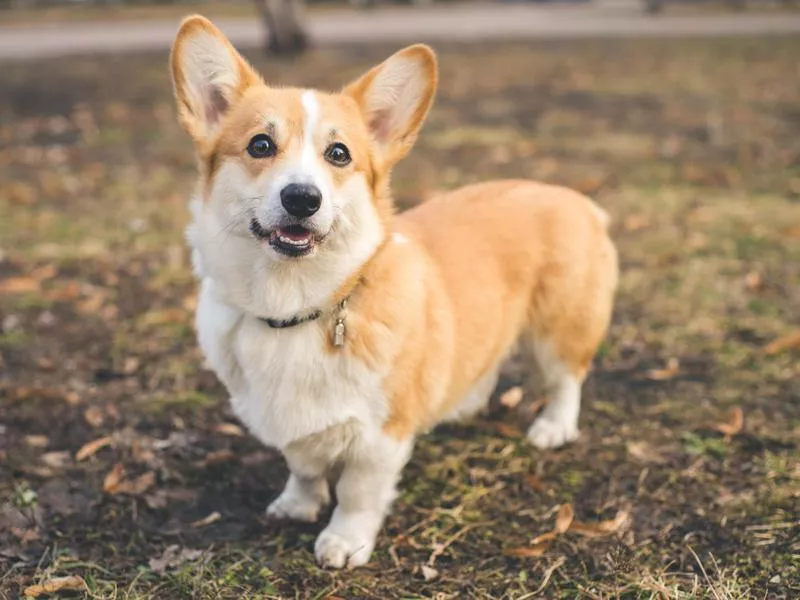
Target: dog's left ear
(395, 97)
(209, 76)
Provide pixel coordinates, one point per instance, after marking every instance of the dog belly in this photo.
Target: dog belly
(476, 399)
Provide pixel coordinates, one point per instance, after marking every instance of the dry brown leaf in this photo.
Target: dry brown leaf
(526, 551)
(636, 222)
(56, 460)
(44, 272)
(601, 528)
(229, 429)
(113, 479)
(429, 573)
(94, 416)
(130, 366)
(564, 517)
(511, 397)
(37, 441)
(643, 452)
(734, 425)
(19, 285)
(671, 370)
(212, 518)
(589, 185)
(507, 429)
(786, 342)
(753, 281)
(535, 482)
(54, 585)
(72, 398)
(91, 448)
(136, 487)
(217, 456)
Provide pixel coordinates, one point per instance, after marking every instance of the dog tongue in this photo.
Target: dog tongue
(295, 234)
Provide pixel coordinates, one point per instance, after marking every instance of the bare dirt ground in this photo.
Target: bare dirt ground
(692, 413)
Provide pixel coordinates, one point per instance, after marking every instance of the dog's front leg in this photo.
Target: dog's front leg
(306, 491)
(364, 492)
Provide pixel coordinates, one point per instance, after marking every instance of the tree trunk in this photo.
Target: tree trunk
(283, 20)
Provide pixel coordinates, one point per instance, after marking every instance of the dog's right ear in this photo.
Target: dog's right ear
(209, 75)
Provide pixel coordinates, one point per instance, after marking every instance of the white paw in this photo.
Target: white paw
(295, 506)
(335, 550)
(547, 433)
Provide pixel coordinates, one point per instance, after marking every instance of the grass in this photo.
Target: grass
(692, 147)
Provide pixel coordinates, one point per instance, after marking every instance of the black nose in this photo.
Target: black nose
(301, 200)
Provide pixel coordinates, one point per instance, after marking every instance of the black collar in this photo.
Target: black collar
(295, 320)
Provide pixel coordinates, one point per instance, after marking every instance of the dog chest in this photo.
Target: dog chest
(284, 383)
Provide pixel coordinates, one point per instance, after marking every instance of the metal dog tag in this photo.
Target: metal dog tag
(338, 333)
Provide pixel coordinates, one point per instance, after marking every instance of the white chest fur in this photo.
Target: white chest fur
(284, 385)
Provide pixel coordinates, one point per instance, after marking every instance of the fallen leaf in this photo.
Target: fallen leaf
(37, 441)
(753, 281)
(511, 397)
(256, 458)
(526, 551)
(643, 452)
(19, 285)
(601, 528)
(212, 518)
(734, 424)
(94, 416)
(131, 365)
(44, 272)
(535, 482)
(173, 556)
(564, 518)
(92, 448)
(113, 478)
(589, 185)
(138, 486)
(636, 222)
(229, 429)
(671, 370)
(26, 536)
(56, 460)
(786, 342)
(429, 573)
(217, 456)
(54, 585)
(507, 429)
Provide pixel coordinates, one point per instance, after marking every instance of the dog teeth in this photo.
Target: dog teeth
(292, 242)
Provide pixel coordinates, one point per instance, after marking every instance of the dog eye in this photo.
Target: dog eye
(261, 146)
(338, 155)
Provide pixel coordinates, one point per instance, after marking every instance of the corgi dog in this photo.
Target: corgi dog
(343, 330)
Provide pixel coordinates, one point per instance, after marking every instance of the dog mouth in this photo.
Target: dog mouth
(291, 240)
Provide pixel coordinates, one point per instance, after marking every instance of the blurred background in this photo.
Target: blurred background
(123, 473)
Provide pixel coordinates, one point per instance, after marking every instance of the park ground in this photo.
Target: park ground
(122, 468)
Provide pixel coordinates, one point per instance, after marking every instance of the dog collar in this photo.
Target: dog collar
(338, 327)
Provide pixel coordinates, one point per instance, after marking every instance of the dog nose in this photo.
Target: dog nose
(301, 200)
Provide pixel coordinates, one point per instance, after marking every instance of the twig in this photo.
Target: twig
(703, 570)
(547, 575)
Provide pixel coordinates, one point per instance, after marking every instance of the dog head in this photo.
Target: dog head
(293, 177)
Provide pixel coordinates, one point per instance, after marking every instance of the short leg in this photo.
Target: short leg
(558, 423)
(301, 499)
(364, 492)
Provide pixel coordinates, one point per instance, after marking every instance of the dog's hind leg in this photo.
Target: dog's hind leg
(558, 423)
